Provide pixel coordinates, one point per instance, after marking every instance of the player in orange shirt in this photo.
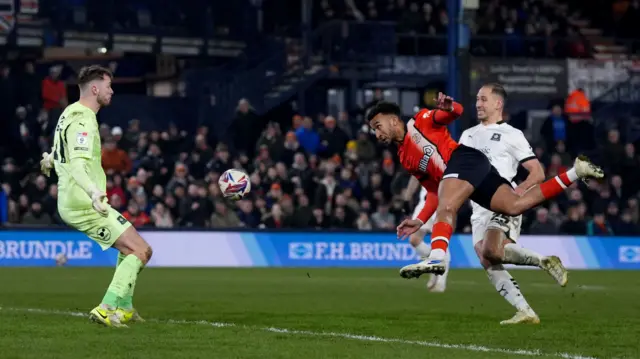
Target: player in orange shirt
(453, 173)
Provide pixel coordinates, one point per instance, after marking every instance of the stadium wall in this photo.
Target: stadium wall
(297, 249)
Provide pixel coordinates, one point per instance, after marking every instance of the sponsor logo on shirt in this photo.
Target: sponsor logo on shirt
(424, 161)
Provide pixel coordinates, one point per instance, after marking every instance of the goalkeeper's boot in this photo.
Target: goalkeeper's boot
(553, 266)
(435, 266)
(525, 316)
(586, 169)
(129, 315)
(106, 317)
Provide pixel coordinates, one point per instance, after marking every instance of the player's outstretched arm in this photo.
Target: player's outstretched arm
(410, 226)
(445, 117)
(447, 110)
(430, 206)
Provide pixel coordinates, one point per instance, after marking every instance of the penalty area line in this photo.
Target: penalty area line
(349, 336)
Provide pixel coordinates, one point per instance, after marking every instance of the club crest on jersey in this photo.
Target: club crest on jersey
(81, 138)
(495, 137)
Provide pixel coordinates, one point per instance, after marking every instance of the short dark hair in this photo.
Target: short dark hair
(385, 108)
(91, 73)
(498, 89)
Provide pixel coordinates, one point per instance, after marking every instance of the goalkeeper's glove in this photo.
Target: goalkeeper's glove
(46, 163)
(99, 202)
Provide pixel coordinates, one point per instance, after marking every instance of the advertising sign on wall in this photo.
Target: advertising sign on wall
(298, 249)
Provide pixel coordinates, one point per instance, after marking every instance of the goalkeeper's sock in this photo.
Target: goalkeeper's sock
(126, 302)
(507, 287)
(514, 254)
(123, 280)
(121, 257)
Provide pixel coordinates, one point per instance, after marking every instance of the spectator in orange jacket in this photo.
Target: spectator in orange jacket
(115, 159)
(577, 106)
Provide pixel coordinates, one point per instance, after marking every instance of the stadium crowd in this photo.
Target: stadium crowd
(322, 173)
(311, 172)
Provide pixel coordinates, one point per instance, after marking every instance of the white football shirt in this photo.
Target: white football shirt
(504, 145)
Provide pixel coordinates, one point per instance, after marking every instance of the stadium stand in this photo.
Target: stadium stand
(311, 170)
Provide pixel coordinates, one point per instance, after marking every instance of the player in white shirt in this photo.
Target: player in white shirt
(436, 283)
(495, 235)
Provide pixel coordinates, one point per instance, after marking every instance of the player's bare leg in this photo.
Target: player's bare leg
(137, 254)
(452, 193)
(506, 201)
(436, 283)
(492, 251)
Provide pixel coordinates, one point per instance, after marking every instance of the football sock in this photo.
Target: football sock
(126, 302)
(507, 287)
(440, 240)
(558, 184)
(122, 281)
(423, 249)
(515, 254)
(447, 259)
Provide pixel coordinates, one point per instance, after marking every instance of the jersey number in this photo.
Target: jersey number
(61, 134)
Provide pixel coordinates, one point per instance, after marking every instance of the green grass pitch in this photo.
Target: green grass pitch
(317, 313)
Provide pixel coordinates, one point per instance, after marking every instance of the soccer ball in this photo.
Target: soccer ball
(234, 184)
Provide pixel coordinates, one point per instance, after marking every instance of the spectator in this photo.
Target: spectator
(135, 216)
(307, 136)
(272, 140)
(247, 215)
(319, 220)
(614, 151)
(625, 226)
(291, 147)
(554, 128)
(365, 147)
(363, 223)
(542, 225)
(54, 90)
(382, 218)
(246, 128)
(222, 217)
(194, 208)
(574, 224)
(276, 218)
(333, 140)
(599, 226)
(114, 159)
(36, 217)
(30, 93)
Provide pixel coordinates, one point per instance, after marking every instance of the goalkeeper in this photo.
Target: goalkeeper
(82, 202)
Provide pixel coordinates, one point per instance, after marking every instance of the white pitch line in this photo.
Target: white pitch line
(365, 338)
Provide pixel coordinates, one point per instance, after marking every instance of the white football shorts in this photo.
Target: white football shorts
(483, 219)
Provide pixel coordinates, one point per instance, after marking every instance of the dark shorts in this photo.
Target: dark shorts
(471, 165)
